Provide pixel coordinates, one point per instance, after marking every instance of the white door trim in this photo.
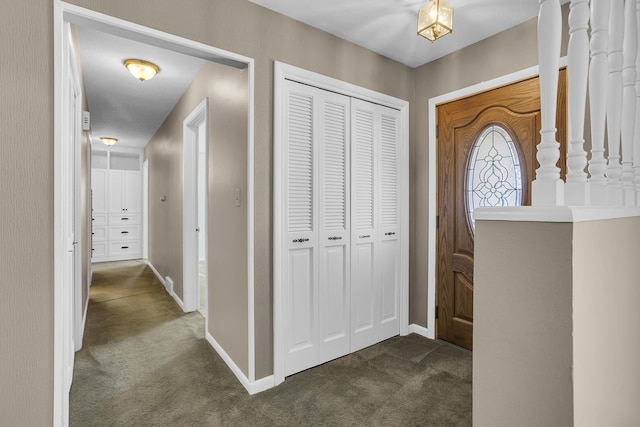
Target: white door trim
(79, 245)
(63, 15)
(190, 263)
(284, 72)
(145, 209)
(432, 103)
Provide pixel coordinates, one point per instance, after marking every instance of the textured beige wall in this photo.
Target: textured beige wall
(522, 345)
(245, 28)
(507, 52)
(226, 89)
(606, 292)
(26, 212)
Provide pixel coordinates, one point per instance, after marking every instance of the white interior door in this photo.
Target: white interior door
(317, 223)
(194, 129)
(334, 224)
(300, 222)
(340, 221)
(363, 232)
(375, 265)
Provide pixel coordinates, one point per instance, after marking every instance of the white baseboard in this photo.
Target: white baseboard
(166, 285)
(78, 345)
(421, 330)
(251, 387)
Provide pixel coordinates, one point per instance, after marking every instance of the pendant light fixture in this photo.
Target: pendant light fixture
(140, 69)
(435, 20)
(109, 141)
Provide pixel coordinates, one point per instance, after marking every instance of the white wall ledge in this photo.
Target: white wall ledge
(555, 214)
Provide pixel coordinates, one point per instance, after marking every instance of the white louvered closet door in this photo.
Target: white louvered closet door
(316, 212)
(334, 226)
(375, 249)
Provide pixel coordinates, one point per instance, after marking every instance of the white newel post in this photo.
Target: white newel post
(614, 102)
(548, 188)
(598, 71)
(636, 139)
(577, 187)
(630, 50)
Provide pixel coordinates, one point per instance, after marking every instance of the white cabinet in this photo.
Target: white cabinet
(124, 191)
(340, 210)
(117, 195)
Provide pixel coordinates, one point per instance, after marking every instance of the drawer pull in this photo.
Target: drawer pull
(124, 247)
(124, 232)
(300, 240)
(364, 236)
(335, 238)
(391, 233)
(125, 219)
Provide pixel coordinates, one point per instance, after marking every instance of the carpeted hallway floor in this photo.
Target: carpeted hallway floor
(146, 363)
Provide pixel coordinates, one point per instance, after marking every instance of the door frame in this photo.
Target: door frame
(284, 72)
(145, 209)
(190, 261)
(432, 103)
(65, 14)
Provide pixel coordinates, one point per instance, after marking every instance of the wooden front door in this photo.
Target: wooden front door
(486, 157)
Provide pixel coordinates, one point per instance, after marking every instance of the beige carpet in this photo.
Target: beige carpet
(146, 363)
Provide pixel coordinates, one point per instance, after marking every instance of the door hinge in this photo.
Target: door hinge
(437, 221)
(437, 312)
(437, 131)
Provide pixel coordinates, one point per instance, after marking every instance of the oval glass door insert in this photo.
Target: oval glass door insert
(494, 175)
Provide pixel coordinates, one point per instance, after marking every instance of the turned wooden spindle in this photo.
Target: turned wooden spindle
(598, 72)
(614, 102)
(576, 188)
(630, 52)
(548, 189)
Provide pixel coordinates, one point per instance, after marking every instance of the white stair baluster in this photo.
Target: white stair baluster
(576, 188)
(614, 102)
(548, 189)
(636, 139)
(630, 50)
(598, 71)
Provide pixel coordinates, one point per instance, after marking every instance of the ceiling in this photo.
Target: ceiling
(132, 111)
(120, 105)
(389, 27)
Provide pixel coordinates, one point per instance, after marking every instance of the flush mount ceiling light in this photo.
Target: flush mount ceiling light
(141, 70)
(435, 20)
(107, 140)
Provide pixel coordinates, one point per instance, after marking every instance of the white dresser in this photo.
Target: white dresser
(116, 184)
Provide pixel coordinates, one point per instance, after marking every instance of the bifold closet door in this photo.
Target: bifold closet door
(316, 226)
(375, 249)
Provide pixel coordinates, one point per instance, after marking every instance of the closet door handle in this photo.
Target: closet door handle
(364, 236)
(335, 238)
(300, 240)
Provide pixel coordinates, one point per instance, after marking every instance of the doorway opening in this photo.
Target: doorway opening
(67, 294)
(486, 145)
(195, 209)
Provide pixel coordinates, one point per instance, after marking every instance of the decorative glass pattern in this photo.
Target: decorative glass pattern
(494, 175)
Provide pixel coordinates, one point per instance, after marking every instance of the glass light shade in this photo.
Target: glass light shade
(435, 20)
(107, 140)
(141, 70)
